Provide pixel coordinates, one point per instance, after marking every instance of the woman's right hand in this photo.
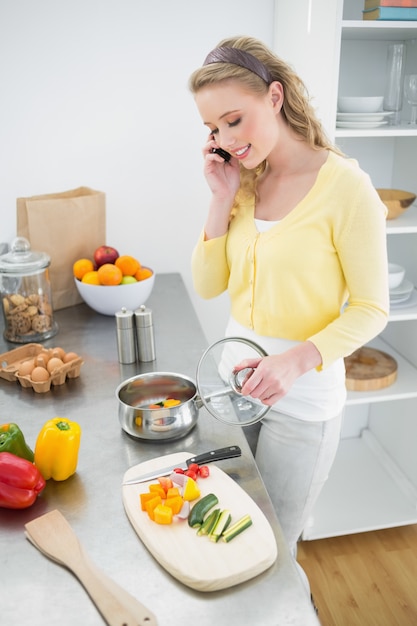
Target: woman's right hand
(223, 177)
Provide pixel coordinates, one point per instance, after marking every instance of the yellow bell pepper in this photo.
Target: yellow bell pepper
(56, 449)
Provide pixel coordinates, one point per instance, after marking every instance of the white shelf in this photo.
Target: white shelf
(401, 130)
(404, 387)
(379, 30)
(405, 312)
(365, 491)
(405, 223)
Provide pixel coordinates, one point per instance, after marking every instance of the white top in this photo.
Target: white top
(315, 396)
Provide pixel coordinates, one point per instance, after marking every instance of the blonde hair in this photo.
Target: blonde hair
(296, 109)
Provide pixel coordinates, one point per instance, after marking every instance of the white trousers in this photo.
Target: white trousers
(294, 458)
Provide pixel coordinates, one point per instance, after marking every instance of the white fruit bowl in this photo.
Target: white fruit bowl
(353, 104)
(107, 300)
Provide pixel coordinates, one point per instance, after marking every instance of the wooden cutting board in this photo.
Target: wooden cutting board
(196, 561)
(368, 369)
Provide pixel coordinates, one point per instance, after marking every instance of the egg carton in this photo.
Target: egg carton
(10, 362)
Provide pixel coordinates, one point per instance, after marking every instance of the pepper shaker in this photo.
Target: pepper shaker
(125, 336)
(145, 334)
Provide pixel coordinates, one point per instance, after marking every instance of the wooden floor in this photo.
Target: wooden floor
(367, 579)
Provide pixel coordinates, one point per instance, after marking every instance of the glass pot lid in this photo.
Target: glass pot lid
(21, 259)
(219, 388)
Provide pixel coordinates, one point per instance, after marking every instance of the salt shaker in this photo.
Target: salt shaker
(126, 345)
(145, 334)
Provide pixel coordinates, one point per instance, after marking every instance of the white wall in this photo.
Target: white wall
(94, 93)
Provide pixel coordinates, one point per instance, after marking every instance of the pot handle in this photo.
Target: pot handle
(216, 394)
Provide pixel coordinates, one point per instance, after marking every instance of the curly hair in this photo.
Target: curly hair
(297, 110)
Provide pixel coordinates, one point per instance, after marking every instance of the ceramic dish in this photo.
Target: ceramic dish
(404, 289)
(359, 124)
(408, 301)
(363, 117)
(360, 104)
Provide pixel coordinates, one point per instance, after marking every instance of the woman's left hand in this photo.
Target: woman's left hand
(274, 375)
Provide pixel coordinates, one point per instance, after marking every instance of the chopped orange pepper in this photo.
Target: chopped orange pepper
(163, 514)
(158, 489)
(144, 498)
(171, 402)
(175, 503)
(151, 505)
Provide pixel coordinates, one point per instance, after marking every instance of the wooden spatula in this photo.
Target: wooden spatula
(54, 537)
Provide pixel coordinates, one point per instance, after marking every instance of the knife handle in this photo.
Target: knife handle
(215, 455)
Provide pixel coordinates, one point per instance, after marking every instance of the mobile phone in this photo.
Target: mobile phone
(225, 155)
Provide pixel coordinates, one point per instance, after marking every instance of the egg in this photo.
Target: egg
(26, 367)
(39, 374)
(58, 352)
(41, 360)
(53, 364)
(70, 356)
(45, 354)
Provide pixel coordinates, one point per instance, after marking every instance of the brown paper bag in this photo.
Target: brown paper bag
(68, 226)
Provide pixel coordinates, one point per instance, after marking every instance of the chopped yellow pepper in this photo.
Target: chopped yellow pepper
(56, 449)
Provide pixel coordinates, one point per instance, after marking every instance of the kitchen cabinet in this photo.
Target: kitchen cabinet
(373, 483)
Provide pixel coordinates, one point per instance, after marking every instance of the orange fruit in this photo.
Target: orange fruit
(143, 272)
(109, 274)
(81, 267)
(91, 278)
(128, 265)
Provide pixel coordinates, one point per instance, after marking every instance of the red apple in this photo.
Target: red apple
(105, 254)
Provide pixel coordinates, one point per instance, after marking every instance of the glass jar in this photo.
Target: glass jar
(393, 96)
(26, 294)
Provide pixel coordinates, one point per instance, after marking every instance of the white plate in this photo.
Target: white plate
(410, 300)
(404, 289)
(359, 124)
(363, 117)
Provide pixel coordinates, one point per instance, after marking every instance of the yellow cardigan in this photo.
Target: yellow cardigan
(293, 281)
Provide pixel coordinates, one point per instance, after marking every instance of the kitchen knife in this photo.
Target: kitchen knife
(201, 459)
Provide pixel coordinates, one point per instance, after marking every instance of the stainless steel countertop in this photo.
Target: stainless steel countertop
(36, 591)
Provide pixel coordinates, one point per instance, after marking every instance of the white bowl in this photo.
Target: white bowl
(108, 299)
(352, 104)
(396, 275)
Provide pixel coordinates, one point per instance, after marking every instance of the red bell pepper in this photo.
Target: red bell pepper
(20, 482)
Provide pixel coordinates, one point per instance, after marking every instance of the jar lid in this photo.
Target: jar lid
(219, 387)
(22, 259)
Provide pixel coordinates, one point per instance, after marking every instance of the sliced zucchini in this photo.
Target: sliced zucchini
(200, 510)
(237, 528)
(221, 525)
(209, 523)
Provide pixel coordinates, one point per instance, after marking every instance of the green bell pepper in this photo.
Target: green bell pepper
(13, 441)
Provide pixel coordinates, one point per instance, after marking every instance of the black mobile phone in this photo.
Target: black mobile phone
(225, 155)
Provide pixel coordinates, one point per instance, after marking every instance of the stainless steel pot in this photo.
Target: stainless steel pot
(137, 393)
(218, 389)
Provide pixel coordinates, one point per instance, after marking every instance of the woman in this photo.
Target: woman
(295, 232)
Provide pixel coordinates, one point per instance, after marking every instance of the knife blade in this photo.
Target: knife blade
(220, 454)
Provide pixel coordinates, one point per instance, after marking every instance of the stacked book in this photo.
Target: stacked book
(394, 10)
